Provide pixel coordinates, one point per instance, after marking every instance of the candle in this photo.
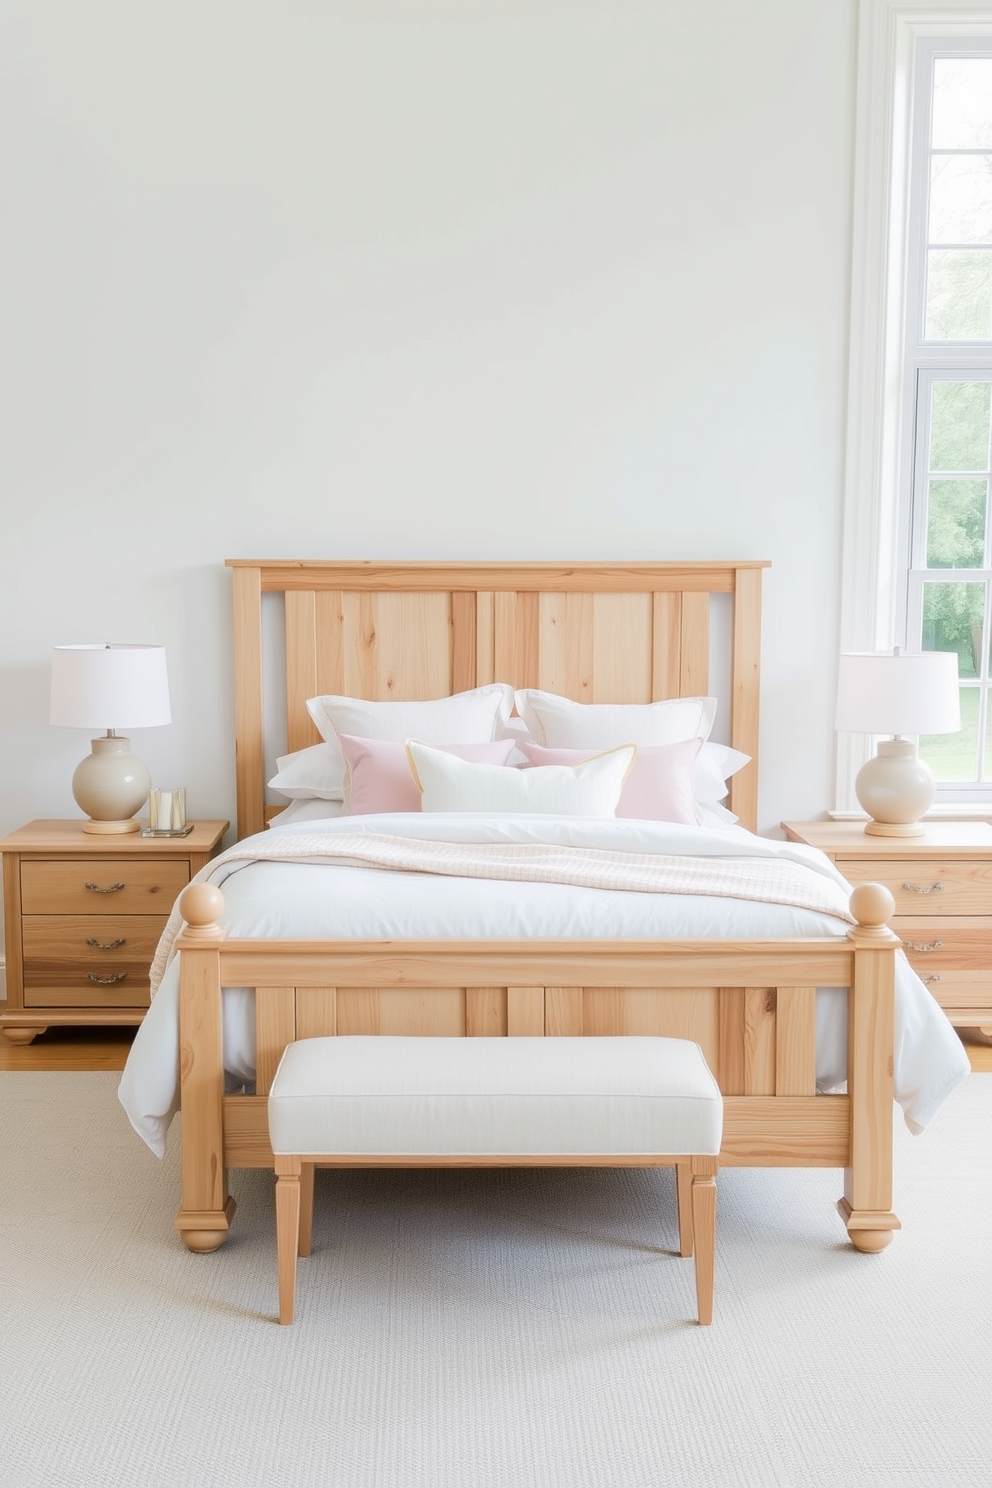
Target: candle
(167, 810)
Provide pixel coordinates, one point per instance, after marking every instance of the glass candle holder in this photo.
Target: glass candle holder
(167, 813)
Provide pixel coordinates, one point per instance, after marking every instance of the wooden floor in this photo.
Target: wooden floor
(107, 1049)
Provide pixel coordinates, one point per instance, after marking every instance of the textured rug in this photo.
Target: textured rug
(485, 1329)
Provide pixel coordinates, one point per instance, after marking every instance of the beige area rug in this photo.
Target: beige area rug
(483, 1330)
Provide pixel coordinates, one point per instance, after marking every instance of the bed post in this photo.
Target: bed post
(866, 1207)
(205, 1215)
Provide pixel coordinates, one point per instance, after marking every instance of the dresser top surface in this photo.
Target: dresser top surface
(67, 836)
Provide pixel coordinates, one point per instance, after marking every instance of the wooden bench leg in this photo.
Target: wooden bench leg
(704, 1226)
(287, 1231)
(683, 1180)
(306, 1207)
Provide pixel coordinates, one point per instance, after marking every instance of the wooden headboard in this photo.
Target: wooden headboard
(595, 632)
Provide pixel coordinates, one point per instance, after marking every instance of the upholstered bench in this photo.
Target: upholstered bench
(495, 1102)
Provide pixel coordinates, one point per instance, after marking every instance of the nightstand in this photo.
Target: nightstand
(942, 885)
(83, 916)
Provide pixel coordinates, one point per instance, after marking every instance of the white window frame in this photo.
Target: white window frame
(881, 399)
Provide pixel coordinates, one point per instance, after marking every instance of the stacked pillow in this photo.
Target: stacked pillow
(578, 757)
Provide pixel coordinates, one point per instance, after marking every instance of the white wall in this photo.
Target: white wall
(412, 278)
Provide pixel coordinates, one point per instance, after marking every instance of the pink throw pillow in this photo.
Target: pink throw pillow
(659, 786)
(378, 776)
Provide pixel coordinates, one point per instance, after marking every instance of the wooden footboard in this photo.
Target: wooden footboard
(749, 1004)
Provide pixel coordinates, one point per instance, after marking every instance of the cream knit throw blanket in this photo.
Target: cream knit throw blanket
(767, 880)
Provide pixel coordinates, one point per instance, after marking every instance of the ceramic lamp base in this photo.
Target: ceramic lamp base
(111, 786)
(894, 829)
(896, 788)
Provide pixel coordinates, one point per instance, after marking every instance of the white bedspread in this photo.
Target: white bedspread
(340, 900)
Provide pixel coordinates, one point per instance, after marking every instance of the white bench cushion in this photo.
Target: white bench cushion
(356, 1095)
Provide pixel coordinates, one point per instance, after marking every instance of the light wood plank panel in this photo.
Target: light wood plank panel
(407, 1011)
(567, 630)
(301, 667)
(316, 1012)
(525, 1012)
(666, 645)
(746, 1061)
(686, 1012)
(396, 645)
(563, 1012)
(330, 643)
(485, 639)
(795, 1041)
(485, 1012)
(517, 635)
(464, 645)
(622, 648)
(694, 670)
(275, 1027)
(357, 1010)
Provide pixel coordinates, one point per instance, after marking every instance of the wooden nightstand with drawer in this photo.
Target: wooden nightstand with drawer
(83, 914)
(942, 885)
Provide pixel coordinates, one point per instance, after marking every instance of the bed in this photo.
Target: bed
(461, 958)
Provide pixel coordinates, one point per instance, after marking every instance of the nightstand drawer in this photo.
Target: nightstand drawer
(57, 945)
(110, 886)
(965, 996)
(951, 944)
(926, 886)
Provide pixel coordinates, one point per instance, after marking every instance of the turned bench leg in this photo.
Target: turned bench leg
(704, 1230)
(288, 1238)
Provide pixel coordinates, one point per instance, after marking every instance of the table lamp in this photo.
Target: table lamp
(898, 693)
(110, 686)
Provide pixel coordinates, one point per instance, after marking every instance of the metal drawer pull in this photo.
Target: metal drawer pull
(108, 945)
(933, 945)
(919, 889)
(106, 981)
(933, 976)
(112, 889)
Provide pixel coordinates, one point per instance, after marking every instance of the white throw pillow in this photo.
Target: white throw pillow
(473, 717)
(559, 723)
(589, 789)
(312, 774)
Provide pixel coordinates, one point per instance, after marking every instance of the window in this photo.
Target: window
(949, 400)
(918, 505)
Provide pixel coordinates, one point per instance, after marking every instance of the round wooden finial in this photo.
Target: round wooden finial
(872, 905)
(201, 906)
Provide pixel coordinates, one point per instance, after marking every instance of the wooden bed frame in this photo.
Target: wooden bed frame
(595, 632)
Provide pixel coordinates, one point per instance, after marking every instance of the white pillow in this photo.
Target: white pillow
(473, 717)
(312, 774)
(307, 810)
(715, 764)
(560, 723)
(589, 789)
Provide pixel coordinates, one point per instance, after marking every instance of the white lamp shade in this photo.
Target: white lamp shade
(110, 686)
(905, 692)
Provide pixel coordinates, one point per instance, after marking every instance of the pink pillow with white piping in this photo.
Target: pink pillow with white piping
(378, 776)
(659, 786)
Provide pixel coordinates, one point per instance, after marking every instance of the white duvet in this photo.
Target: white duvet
(317, 900)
